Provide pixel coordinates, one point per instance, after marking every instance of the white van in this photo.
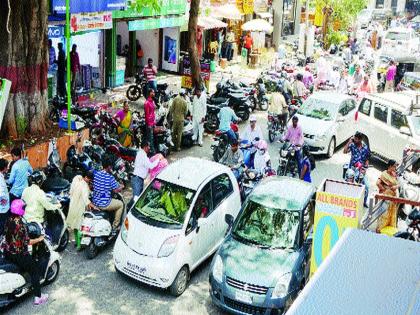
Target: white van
(177, 223)
(390, 122)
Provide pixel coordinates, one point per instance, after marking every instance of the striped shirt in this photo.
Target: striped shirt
(150, 73)
(103, 185)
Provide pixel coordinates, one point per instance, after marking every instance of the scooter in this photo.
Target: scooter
(96, 229)
(14, 283)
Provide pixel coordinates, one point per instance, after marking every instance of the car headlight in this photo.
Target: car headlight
(282, 287)
(320, 137)
(168, 246)
(218, 269)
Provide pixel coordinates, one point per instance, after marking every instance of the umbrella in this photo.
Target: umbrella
(227, 11)
(258, 25)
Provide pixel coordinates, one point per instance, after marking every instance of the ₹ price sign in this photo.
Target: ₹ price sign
(338, 206)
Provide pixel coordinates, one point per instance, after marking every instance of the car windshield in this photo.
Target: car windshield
(397, 36)
(319, 109)
(415, 123)
(267, 227)
(164, 203)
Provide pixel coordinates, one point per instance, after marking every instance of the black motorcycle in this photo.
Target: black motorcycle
(211, 123)
(261, 96)
(275, 126)
(288, 164)
(135, 90)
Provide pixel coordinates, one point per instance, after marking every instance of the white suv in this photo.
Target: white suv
(390, 122)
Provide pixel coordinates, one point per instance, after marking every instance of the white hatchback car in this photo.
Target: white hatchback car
(178, 222)
(327, 120)
(400, 42)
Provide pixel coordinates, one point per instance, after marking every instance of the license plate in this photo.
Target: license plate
(243, 297)
(85, 241)
(136, 268)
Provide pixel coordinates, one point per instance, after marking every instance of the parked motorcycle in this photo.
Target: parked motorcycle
(262, 97)
(222, 142)
(97, 227)
(135, 90)
(412, 232)
(288, 164)
(211, 123)
(14, 283)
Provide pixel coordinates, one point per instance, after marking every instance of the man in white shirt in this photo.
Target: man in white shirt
(142, 165)
(252, 131)
(199, 112)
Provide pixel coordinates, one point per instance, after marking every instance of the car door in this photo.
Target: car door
(223, 202)
(396, 138)
(200, 229)
(379, 138)
(345, 128)
(363, 119)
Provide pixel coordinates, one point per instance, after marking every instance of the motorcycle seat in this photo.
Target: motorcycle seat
(415, 215)
(218, 100)
(128, 151)
(7, 266)
(101, 214)
(56, 184)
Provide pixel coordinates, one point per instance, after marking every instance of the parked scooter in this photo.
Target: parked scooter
(96, 229)
(14, 283)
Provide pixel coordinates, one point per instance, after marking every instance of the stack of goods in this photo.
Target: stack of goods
(87, 77)
(96, 78)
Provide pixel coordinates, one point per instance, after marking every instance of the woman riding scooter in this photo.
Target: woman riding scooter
(15, 247)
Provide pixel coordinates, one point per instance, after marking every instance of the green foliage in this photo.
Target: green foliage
(336, 37)
(140, 4)
(21, 125)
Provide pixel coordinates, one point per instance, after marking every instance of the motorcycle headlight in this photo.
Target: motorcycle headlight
(168, 246)
(282, 287)
(218, 269)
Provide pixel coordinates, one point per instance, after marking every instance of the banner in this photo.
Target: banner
(55, 31)
(4, 96)
(186, 80)
(333, 214)
(167, 7)
(150, 24)
(82, 6)
(90, 21)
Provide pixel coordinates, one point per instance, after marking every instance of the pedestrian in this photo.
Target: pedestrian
(388, 185)
(248, 43)
(19, 173)
(52, 56)
(4, 195)
(149, 114)
(199, 112)
(390, 77)
(124, 118)
(15, 248)
(61, 71)
(335, 77)
(358, 76)
(178, 111)
(343, 84)
(308, 78)
(305, 165)
(140, 54)
(150, 72)
(75, 67)
(79, 202)
(142, 165)
(230, 40)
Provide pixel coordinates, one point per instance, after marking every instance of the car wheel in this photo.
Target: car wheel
(181, 282)
(92, 250)
(63, 241)
(271, 136)
(52, 272)
(331, 148)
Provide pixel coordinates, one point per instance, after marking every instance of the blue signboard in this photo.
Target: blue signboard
(80, 6)
(55, 31)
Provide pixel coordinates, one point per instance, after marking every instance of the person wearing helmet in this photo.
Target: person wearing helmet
(252, 132)
(178, 111)
(305, 165)
(299, 89)
(349, 176)
(15, 247)
(199, 112)
(36, 200)
(262, 157)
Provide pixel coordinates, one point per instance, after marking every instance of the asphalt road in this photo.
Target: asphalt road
(93, 286)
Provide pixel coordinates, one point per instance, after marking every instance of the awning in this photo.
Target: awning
(227, 11)
(265, 15)
(208, 23)
(258, 25)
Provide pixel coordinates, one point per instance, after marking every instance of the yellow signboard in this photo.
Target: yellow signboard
(245, 6)
(333, 214)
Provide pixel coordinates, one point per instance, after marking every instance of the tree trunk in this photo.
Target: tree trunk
(24, 61)
(192, 44)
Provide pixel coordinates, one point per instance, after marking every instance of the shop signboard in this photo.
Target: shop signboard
(82, 22)
(150, 24)
(55, 31)
(338, 206)
(245, 6)
(4, 96)
(82, 6)
(186, 80)
(167, 7)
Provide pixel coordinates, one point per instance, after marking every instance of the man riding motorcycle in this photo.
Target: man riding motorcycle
(294, 135)
(226, 116)
(252, 131)
(36, 200)
(233, 158)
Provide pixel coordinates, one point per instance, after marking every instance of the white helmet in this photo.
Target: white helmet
(350, 174)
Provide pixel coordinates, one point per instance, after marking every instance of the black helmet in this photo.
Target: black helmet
(299, 77)
(219, 86)
(34, 230)
(37, 177)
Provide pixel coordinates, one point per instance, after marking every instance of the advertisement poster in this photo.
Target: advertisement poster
(170, 50)
(337, 207)
(4, 96)
(59, 6)
(90, 21)
(186, 81)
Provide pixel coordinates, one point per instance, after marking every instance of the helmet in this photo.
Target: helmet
(350, 174)
(34, 230)
(262, 145)
(305, 149)
(218, 86)
(182, 92)
(18, 207)
(38, 177)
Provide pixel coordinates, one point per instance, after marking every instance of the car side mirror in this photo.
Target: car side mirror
(229, 220)
(405, 131)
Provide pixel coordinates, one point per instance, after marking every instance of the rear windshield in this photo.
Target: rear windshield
(397, 36)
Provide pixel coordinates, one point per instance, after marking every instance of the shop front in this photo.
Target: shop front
(286, 19)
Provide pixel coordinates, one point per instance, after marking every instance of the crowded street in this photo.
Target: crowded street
(210, 157)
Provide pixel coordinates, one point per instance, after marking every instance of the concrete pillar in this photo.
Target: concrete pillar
(277, 21)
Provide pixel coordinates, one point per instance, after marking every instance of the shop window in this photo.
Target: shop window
(365, 106)
(398, 120)
(379, 4)
(289, 17)
(381, 113)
